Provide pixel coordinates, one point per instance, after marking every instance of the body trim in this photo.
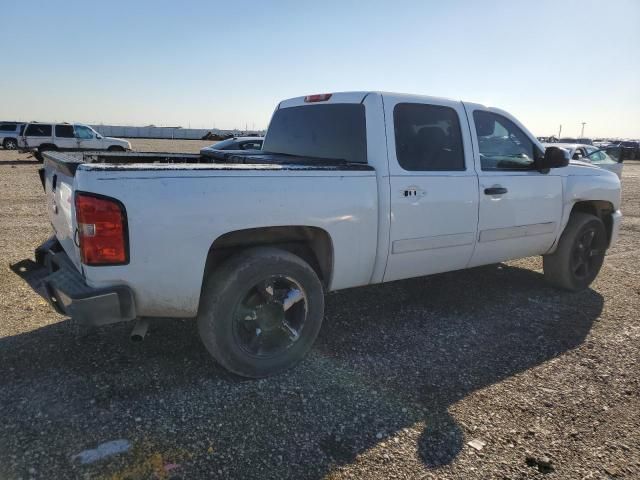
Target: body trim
(517, 232)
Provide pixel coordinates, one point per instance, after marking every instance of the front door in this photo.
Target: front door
(520, 207)
(87, 138)
(434, 187)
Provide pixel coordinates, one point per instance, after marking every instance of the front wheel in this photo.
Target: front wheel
(580, 253)
(261, 311)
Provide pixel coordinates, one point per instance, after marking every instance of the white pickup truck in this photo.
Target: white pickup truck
(350, 189)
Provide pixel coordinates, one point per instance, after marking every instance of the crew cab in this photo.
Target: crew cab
(350, 189)
(40, 137)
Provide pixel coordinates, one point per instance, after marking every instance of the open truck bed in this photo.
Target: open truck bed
(69, 162)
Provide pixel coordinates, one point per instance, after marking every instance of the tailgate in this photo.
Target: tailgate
(58, 187)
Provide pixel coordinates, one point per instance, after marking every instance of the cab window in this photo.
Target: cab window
(428, 137)
(502, 144)
(83, 132)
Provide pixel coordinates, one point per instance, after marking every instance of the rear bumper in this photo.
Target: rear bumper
(616, 221)
(68, 293)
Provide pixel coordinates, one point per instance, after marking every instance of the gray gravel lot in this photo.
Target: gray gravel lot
(402, 378)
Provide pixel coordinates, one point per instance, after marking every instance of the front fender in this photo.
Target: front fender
(588, 185)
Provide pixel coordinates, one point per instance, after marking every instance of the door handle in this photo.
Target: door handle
(495, 191)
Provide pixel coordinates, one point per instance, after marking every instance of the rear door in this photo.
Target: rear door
(434, 187)
(37, 134)
(65, 137)
(520, 207)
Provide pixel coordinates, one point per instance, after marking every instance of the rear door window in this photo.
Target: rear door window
(38, 130)
(330, 131)
(428, 137)
(64, 131)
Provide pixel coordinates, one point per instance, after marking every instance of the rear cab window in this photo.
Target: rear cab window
(330, 131)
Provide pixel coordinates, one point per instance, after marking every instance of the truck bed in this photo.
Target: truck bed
(68, 162)
(177, 205)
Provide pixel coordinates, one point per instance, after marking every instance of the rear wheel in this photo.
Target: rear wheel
(10, 144)
(261, 311)
(580, 253)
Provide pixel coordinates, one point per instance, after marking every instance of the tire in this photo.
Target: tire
(115, 148)
(261, 311)
(10, 144)
(580, 253)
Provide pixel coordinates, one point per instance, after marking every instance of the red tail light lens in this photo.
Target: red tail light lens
(102, 230)
(320, 97)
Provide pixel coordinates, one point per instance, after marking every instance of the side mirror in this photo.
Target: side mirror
(99, 137)
(554, 157)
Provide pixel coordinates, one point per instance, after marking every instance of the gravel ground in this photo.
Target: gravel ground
(403, 377)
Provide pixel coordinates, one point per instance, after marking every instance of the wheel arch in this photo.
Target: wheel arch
(603, 209)
(312, 244)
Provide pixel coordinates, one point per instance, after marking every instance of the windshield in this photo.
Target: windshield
(331, 131)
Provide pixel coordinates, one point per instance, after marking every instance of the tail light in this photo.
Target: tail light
(102, 230)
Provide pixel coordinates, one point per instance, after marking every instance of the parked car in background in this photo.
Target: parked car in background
(630, 149)
(235, 143)
(603, 143)
(40, 137)
(9, 134)
(582, 141)
(350, 189)
(591, 154)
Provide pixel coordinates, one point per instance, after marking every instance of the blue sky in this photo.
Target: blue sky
(203, 63)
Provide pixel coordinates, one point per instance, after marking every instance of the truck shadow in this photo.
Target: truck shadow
(390, 359)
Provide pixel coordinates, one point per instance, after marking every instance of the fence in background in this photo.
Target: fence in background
(157, 132)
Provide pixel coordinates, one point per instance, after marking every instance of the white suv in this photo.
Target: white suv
(40, 137)
(9, 133)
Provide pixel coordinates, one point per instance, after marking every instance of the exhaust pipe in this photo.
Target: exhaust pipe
(139, 330)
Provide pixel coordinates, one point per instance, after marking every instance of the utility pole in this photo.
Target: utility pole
(582, 131)
(560, 132)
